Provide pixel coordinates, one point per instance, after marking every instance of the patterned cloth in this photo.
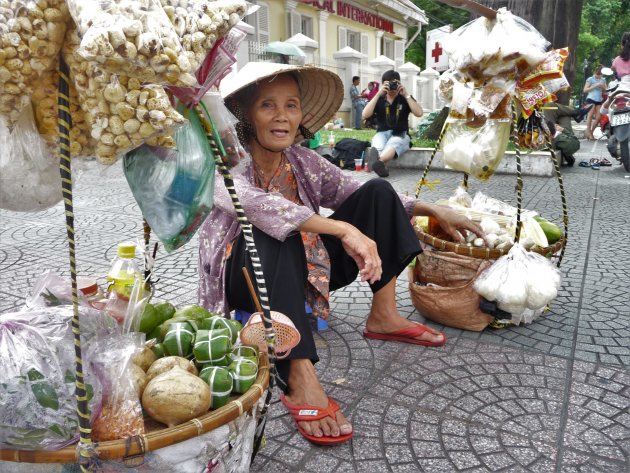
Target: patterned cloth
(319, 184)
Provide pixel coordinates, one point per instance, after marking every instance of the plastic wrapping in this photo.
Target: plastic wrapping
(461, 197)
(134, 38)
(520, 281)
(37, 377)
(122, 113)
(485, 48)
(29, 176)
(475, 150)
(121, 413)
(51, 290)
(174, 187)
(225, 124)
(44, 101)
(31, 33)
(533, 132)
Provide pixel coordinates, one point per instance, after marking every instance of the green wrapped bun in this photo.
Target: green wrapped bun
(165, 311)
(244, 351)
(213, 347)
(237, 327)
(192, 312)
(179, 339)
(244, 372)
(220, 381)
(213, 323)
(158, 350)
(149, 319)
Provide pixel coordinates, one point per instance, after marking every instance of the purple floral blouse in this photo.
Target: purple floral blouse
(319, 184)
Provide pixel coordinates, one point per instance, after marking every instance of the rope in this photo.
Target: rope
(220, 158)
(519, 175)
(64, 120)
(422, 181)
(563, 197)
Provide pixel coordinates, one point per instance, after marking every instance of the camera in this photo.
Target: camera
(393, 84)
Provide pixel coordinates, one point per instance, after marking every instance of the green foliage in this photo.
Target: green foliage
(438, 15)
(602, 24)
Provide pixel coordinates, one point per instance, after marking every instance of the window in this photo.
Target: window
(307, 26)
(354, 40)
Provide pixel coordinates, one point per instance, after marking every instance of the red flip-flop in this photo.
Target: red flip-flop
(407, 335)
(308, 413)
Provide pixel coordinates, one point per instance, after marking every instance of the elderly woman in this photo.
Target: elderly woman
(303, 254)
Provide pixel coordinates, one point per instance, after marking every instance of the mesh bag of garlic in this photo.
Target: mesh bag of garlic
(134, 38)
(31, 34)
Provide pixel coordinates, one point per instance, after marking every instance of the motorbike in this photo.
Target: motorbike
(619, 122)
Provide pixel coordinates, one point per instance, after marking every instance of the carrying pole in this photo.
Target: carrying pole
(64, 120)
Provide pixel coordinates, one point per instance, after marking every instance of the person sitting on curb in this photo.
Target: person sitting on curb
(558, 118)
(392, 106)
(303, 254)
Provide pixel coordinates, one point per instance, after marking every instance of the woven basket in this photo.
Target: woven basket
(157, 436)
(478, 252)
(287, 336)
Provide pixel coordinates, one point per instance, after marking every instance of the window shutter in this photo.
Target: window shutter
(296, 23)
(343, 37)
(399, 53)
(263, 23)
(364, 49)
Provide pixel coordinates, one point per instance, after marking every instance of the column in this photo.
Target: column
(323, 33)
(429, 89)
(408, 76)
(378, 37)
(349, 60)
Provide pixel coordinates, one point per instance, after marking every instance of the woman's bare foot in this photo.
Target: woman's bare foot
(384, 316)
(305, 388)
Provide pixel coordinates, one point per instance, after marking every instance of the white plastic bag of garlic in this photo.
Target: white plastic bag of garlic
(134, 38)
(31, 34)
(122, 112)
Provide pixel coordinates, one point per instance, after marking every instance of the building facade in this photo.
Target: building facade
(349, 37)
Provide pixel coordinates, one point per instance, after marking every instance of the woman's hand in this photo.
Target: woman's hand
(455, 224)
(364, 252)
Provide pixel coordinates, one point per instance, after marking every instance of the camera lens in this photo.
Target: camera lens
(393, 85)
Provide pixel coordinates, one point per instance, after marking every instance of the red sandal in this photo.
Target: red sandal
(307, 413)
(408, 335)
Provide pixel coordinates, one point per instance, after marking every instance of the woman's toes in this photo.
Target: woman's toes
(328, 427)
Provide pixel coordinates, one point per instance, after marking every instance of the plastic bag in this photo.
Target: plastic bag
(461, 197)
(122, 112)
(174, 187)
(29, 175)
(533, 132)
(134, 38)
(37, 377)
(520, 281)
(121, 413)
(30, 40)
(225, 125)
(51, 290)
(475, 150)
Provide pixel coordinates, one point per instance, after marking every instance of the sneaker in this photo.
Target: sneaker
(371, 157)
(380, 169)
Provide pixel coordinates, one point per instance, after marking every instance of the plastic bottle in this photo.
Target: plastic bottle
(331, 140)
(121, 278)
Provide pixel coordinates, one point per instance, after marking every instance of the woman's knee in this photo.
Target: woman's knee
(378, 186)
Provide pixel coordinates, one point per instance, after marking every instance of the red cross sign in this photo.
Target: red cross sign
(435, 57)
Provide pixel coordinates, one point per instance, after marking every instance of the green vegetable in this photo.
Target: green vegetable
(193, 311)
(165, 311)
(149, 319)
(551, 230)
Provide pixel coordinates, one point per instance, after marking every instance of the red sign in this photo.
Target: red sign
(353, 13)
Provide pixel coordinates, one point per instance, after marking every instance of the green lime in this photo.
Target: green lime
(155, 333)
(165, 311)
(158, 350)
(193, 311)
(149, 319)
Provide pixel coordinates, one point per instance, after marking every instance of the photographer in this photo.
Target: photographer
(391, 106)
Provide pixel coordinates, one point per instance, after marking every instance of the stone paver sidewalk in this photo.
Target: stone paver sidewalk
(553, 396)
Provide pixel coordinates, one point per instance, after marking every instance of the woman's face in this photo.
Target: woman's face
(276, 113)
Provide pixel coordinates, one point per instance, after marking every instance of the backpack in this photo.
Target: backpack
(567, 143)
(347, 150)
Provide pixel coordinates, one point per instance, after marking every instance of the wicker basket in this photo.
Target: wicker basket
(157, 436)
(479, 252)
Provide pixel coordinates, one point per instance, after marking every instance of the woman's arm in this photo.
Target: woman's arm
(451, 222)
(361, 248)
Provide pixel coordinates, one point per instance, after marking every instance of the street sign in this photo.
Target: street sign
(436, 58)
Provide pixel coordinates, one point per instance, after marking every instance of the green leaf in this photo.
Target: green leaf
(45, 395)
